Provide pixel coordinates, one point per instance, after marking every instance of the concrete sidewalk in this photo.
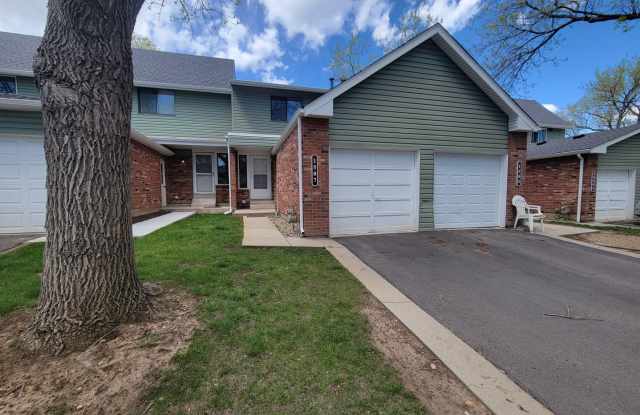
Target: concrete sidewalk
(552, 229)
(260, 231)
(151, 225)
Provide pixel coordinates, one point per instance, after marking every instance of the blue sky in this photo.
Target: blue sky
(291, 41)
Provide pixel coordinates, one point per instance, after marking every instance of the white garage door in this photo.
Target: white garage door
(614, 195)
(23, 193)
(468, 191)
(372, 191)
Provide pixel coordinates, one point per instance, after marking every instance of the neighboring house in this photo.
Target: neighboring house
(606, 163)
(421, 139)
(552, 127)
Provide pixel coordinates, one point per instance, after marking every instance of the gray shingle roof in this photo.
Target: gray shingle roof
(579, 144)
(151, 68)
(542, 116)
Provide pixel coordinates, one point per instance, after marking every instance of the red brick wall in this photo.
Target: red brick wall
(179, 178)
(517, 152)
(286, 176)
(315, 142)
(553, 184)
(145, 180)
(222, 193)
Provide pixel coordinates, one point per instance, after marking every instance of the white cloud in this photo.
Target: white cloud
(314, 20)
(23, 16)
(375, 15)
(452, 14)
(551, 107)
(260, 53)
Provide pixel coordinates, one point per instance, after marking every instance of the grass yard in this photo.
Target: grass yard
(281, 328)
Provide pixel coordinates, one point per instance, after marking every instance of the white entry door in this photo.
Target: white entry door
(372, 191)
(23, 194)
(469, 191)
(204, 173)
(614, 195)
(260, 177)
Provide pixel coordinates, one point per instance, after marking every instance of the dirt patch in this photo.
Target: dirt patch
(421, 372)
(285, 227)
(611, 240)
(107, 378)
(149, 216)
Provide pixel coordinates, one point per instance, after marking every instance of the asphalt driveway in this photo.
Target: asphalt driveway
(492, 288)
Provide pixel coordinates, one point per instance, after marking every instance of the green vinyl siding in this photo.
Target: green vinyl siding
(624, 155)
(421, 102)
(198, 115)
(555, 134)
(252, 109)
(20, 122)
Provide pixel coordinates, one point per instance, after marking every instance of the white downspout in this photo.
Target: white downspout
(230, 211)
(300, 196)
(580, 181)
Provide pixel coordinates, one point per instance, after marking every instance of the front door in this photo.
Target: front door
(204, 174)
(163, 184)
(260, 177)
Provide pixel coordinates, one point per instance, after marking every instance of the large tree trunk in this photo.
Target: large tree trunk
(84, 69)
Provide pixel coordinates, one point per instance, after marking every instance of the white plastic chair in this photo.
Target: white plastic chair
(529, 212)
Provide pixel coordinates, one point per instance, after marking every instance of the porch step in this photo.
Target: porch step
(254, 212)
(262, 204)
(203, 202)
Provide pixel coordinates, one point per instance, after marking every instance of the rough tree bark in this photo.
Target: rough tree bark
(84, 69)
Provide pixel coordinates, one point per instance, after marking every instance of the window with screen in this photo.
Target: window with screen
(283, 109)
(539, 137)
(156, 101)
(8, 85)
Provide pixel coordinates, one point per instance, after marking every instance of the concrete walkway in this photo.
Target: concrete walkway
(260, 231)
(151, 225)
(552, 229)
(486, 381)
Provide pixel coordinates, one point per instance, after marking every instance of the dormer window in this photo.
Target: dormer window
(8, 85)
(539, 137)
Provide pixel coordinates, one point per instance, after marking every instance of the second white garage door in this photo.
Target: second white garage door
(23, 194)
(469, 191)
(614, 194)
(372, 191)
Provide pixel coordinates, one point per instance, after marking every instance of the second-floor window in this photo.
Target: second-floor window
(282, 108)
(156, 101)
(539, 137)
(8, 85)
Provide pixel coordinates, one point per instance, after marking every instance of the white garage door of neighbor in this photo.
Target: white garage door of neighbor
(23, 194)
(614, 195)
(372, 191)
(469, 191)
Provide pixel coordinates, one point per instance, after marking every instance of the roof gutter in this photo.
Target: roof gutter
(580, 181)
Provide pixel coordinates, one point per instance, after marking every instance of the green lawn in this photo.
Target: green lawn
(282, 332)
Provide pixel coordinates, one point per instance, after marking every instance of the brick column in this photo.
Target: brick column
(233, 177)
(517, 152)
(315, 142)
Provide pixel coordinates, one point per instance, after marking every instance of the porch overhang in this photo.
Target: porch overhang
(252, 142)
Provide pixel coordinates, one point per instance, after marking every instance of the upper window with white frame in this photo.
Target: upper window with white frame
(156, 101)
(539, 137)
(283, 108)
(8, 85)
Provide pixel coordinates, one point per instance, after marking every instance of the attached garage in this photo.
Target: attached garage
(23, 193)
(469, 191)
(373, 191)
(615, 195)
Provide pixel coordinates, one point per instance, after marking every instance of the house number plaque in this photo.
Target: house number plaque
(314, 171)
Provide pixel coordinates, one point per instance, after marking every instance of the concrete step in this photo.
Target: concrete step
(254, 212)
(263, 204)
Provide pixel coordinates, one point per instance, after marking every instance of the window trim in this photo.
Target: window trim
(157, 93)
(15, 82)
(286, 104)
